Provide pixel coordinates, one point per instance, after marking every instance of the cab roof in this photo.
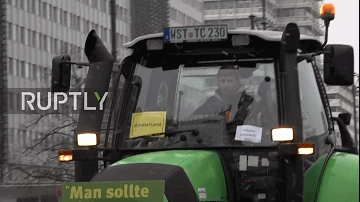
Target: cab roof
(274, 36)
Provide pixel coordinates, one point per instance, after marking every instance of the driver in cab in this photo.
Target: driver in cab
(230, 95)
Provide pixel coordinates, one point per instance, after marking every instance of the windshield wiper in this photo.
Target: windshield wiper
(203, 118)
(194, 132)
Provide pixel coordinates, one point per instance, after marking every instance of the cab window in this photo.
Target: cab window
(315, 127)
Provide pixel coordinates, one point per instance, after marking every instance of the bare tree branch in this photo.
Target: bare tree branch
(52, 132)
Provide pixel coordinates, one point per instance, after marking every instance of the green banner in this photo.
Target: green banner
(113, 191)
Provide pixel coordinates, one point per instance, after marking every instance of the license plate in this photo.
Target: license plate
(195, 34)
(113, 191)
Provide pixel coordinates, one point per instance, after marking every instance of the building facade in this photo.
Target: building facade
(235, 13)
(186, 12)
(152, 16)
(36, 31)
(277, 13)
(305, 13)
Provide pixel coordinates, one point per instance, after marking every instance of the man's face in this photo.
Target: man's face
(228, 85)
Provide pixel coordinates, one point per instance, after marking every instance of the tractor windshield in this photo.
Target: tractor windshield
(201, 104)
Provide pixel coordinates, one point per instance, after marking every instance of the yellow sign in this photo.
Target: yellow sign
(144, 123)
(113, 191)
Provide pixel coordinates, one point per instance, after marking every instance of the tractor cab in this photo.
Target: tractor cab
(208, 92)
(218, 98)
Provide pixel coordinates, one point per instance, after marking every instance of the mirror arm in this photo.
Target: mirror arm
(346, 139)
(310, 55)
(79, 64)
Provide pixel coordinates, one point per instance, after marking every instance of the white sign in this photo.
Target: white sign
(248, 133)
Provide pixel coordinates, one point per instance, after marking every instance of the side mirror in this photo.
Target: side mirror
(346, 139)
(339, 65)
(61, 73)
(126, 67)
(345, 117)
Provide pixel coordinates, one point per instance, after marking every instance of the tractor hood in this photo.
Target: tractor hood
(183, 172)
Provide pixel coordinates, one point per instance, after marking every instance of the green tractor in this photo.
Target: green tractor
(186, 130)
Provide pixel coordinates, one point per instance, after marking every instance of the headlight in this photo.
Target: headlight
(87, 139)
(282, 134)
